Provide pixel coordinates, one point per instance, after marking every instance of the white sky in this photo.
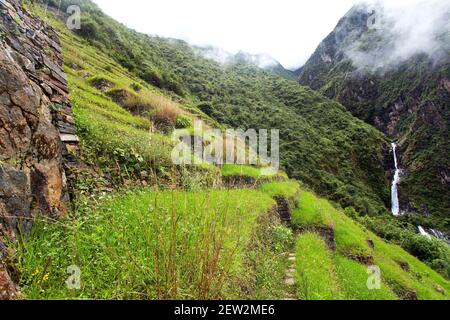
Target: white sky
(288, 30)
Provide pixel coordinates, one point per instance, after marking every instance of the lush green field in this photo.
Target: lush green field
(148, 245)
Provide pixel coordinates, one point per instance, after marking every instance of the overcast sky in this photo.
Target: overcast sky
(288, 30)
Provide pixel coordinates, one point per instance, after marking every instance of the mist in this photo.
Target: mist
(401, 32)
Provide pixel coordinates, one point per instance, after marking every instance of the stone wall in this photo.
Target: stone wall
(38, 141)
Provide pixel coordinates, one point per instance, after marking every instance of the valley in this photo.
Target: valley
(351, 215)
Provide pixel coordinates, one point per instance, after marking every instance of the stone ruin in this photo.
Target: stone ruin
(38, 140)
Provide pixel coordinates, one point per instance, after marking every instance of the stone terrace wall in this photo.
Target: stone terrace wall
(38, 141)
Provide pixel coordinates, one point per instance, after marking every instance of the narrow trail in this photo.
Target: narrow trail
(291, 292)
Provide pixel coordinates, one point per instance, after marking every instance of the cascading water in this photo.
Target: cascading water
(423, 232)
(395, 182)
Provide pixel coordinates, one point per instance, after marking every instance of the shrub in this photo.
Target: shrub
(89, 28)
(351, 212)
(183, 122)
(153, 76)
(136, 87)
(137, 104)
(165, 118)
(102, 82)
(425, 249)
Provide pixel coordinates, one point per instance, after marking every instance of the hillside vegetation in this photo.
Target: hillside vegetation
(321, 144)
(143, 228)
(146, 244)
(408, 101)
(339, 269)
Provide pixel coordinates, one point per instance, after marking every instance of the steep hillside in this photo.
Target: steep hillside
(322, 144)
(405, 93)
(141, 227)
(334, 252)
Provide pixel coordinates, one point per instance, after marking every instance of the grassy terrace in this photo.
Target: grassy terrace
(122, 145)
(231, 170)
(149, 245)
(342, 274)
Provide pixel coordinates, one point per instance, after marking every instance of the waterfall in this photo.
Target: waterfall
(395, 182)
(429, 233)
(424, 233)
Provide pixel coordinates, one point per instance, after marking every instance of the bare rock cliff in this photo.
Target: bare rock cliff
(38, 142)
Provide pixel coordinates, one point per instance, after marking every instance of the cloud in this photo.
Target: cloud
(288, 30)
(401, 32)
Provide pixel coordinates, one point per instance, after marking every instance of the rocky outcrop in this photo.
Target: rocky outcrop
(38, 142)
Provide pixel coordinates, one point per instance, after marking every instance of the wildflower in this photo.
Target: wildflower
(36, 272)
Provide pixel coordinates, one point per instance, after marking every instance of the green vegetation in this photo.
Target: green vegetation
(316, 276)
(287, 189)
(435, 253)
(402, 275)
(395, 100)
(256, 173)
(149, 245)
(123, 122)
(322, 145)
(129, 91)
(353, 278)
(310, 212)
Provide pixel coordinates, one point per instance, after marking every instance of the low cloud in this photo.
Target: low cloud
(401, 32)
(263, 61)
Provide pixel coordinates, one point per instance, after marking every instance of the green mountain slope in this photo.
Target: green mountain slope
(322, 144)
(407, 99)
(137, 235)
(341, 271)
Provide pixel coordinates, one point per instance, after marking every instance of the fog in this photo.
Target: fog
(402, 32)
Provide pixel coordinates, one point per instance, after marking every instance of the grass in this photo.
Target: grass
(353, 278)
(286, 189)
(315, 212)
(316, 276)
(403, 276)
(146, 245)
(311, 212)
(257, 173)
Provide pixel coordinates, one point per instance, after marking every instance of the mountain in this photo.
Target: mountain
(262, 60)
(394, 74)
(93, 205)
(322, 144)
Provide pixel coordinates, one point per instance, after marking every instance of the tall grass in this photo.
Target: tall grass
(287, 189)
(146, 245)
(316, 276)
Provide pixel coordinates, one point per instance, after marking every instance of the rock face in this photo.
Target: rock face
(38, 142)
(408, 99)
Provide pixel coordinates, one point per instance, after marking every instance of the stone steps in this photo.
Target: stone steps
(289, 281)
